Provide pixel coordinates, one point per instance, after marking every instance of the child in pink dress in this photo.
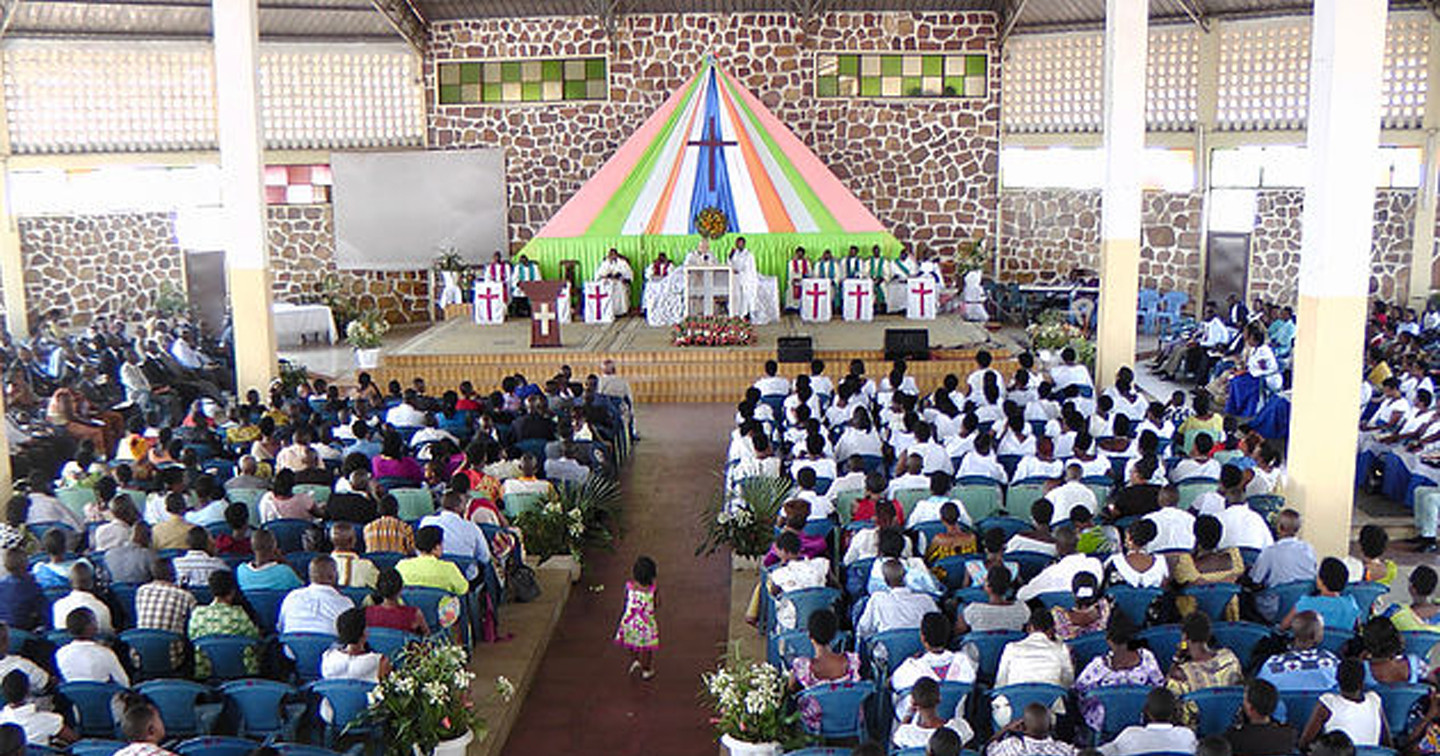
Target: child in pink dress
(638, 629)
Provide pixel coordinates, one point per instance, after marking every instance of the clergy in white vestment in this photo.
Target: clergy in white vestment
(752, 288)
(897, 283)
(614, 272)
(974, 294)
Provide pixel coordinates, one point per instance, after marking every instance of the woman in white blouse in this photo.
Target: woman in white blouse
(1128, 399)
(1136, 567)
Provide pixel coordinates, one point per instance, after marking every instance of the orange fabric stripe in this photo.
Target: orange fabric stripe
(776, 218)
(657, 216)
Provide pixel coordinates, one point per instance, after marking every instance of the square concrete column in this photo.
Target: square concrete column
(242, 187)
(1346, 55)
(1126, 45)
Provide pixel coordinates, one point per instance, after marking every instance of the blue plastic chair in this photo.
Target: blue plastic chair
(389, 641)
(306, 649)
(1031, 563)
(807, 601)
(226, 654)
(96, 747)
(1172, 303)
(1286, 595)
(924, 532)
(300, 749)
(1216, 708)
(216, 746)
(1242, 638)
(1266, 504)
(841, 706)
(1022, 695)
(1297, 706)
(988, 646)
(428, 601)
(873, 463)
(1397, 700)
(1163, 641)
(1335, 639)
(18, 639)
(262, 707)
(833, 752)
(90, 702)
(953, 567)
(887, 650)
(153, 648)
(1009, 462)
(1365, 595)
(1417, 642)
(1134, 602)
(952, 696)
(1085, 647)
(300, 561)
(348, 700)
(383, 559)
(857, 577)
(1375, 750)
(180, 707)
(267, 606)
(1147, 309)
(1052, 599)
(785, 648)
(1212, 599)
(1122, 704)
(289, 533)
(1007, 525)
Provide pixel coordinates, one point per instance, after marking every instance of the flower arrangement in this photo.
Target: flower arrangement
(715, 330)
(576, 517)
(426, 699)
(1052, 330)
(711, 223)
(970, 255)
(744, 520)
(749, 701)
(367, 330)
(450, 260)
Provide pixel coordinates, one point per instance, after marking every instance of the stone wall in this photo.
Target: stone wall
(1275, 245)
(87, 265)
(927, 168)
(1046, 233)
(302, 257)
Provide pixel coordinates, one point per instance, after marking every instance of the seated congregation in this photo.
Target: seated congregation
(1021, 567)
(248, 573)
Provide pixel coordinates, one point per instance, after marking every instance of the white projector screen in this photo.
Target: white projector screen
(398, 210)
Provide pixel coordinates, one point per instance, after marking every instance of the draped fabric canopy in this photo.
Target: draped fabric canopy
(712, 144)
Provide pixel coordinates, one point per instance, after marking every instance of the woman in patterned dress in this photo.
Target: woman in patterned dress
(638, 629)
(1123, 665)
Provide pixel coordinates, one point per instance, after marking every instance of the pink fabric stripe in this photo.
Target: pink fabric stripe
(849, 212)
(580, 211)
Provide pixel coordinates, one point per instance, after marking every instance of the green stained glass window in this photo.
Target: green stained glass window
(901, 75)
(528, 81)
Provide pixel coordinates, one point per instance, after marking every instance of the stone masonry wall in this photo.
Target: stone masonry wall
(1046, 233)
(87, 265)
(926, 168)
(302, 258)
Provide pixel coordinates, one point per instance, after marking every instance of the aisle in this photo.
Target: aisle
(582, 701)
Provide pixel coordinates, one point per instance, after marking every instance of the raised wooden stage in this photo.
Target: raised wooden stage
(459, 350)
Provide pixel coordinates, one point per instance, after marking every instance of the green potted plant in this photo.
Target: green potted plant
(743, 519)
(365, 334)
(425, 706)
(576, 517)
(749, 702)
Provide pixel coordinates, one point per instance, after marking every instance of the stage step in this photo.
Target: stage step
(675, 375)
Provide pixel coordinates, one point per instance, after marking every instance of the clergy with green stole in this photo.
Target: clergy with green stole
(878, 270)
(852, 266)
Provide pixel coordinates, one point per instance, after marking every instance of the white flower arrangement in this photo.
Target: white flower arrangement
(749, 700)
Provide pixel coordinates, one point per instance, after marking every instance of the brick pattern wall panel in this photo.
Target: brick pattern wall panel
(87, 265)
(302, 257)
(927, 169)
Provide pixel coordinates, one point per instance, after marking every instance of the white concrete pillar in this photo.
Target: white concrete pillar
(1422, 252)
(1346, 55)
(242, 182)
(1126, 44)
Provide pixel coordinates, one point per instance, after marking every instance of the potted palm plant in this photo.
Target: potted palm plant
(743, 519)
(749, 702)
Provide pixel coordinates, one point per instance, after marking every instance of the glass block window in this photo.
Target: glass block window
(1407, 43)
(1052, 82)
(1264, 74)
(75, 97)
(528, 81)
(298, 184)
(901, 75)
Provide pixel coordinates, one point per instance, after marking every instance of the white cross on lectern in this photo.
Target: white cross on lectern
(544, 313)
(709, 284)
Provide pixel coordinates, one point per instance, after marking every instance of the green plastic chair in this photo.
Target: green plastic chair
(415, 503)
(845, 504)
(1192, 489)
(909, 497)
(250, 497)
(75, 499)
(516, 503)
(1020, 496)
(319, 493)
(981, 500)
(1194, 433)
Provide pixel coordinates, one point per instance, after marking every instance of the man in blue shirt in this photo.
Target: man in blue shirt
(21, 603)
(363, 444)
(1287, 560)
(1305, 666)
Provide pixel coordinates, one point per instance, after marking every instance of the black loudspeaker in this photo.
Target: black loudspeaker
(794, 349)
(907, 344)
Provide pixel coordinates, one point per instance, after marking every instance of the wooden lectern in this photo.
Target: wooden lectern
(544, 318)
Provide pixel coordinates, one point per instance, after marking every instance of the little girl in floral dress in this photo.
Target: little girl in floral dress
(638, 629)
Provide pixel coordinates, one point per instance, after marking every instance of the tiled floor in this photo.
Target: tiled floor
(582, 701)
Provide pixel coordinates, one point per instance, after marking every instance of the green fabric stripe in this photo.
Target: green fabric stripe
(821, 214)
(612, 218)
(771, 251)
